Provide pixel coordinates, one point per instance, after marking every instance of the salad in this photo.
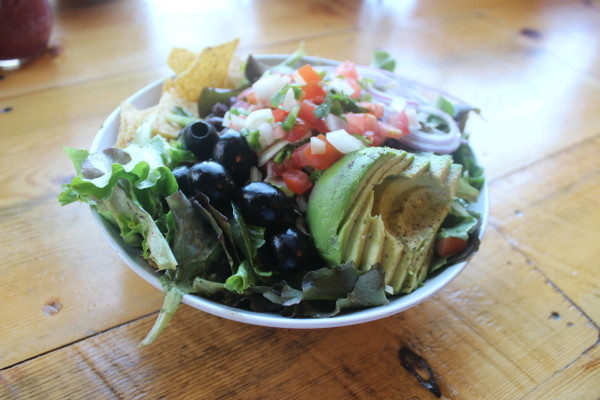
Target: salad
(301, 189)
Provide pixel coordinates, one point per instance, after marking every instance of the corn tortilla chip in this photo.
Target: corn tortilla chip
(210, 68)
(180, 59)
(161, 124)
(130, 120)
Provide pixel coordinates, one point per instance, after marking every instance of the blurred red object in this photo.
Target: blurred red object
(25, 27)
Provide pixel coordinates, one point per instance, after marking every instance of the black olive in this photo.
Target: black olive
(288, 251)
(217, 122)
(232, 151)
(199, 137)
(180, 172)
(211, 179)
(265, 205)
(219, 109)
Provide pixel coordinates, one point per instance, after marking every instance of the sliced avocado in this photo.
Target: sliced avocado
(372, 252)
(403, 270)
(337, 190)
(359, 228)
(381, 205)
(392, 253)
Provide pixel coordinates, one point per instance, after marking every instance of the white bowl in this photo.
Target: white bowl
(149, 96)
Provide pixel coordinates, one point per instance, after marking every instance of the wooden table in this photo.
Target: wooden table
(521, 322)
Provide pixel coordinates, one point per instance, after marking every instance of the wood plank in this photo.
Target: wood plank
(484, 336)
(550, 212)
(567, 29)
(70, 116)
(55, 257)
(580, 381)
(134, 35)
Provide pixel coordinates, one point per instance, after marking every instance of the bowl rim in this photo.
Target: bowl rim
(149, 95)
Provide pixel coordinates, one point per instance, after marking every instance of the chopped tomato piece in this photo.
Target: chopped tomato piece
(307, 114)
(297, 181)
(373, 108)
(354, 84)
(449, 246)
(279, 114)
(314, 92)
(375, 139)
(299, 156)
(347, 69)
(308, 73)
(323, 160)
(361, 123)
(365, 125)
(400, 121)
(389, 131)
(299, 131)
(279, 169)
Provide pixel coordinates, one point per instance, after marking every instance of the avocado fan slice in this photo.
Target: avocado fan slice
(381, 205)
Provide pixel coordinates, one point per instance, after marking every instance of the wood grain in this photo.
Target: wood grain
(521, 322)
(483, 336)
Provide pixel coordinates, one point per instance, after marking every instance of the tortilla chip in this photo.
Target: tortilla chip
(161, 124)
(210, 68)
(168, 84)
(180, 59)
(130, 120)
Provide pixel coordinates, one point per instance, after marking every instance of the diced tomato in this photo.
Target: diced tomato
(373, 108)
(323, 160)
(354, 84)
(297, 181)
(365, 125)
(279, 169)
(361, 122)
(307, 114)
(279, 114)
(299, 131)
(347, 69)
(308, 73)
(299, 156)
(449, 246)
(314, 92)
(399, 120)
(375, 139)
(388, 131)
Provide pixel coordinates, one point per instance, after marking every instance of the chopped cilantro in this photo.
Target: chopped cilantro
(252, 137)
(383, 60)
(321, 111)
(290, 121)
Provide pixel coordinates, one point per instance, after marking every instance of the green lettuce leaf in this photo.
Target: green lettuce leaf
(327, 291)
(196, 247)
(249, 239)
(242, 280)
(138, 228)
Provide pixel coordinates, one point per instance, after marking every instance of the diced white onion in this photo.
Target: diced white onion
(317, 146)
(343, 141)
(268, 85)
(278, 131)
(398, 104)
(289, 101)
(270, 152)
(298, 79)
(265, 134)
(255, 174)
(413, 119)
(340, 86)
(258, 117)
(234, 121)
(334, 122)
